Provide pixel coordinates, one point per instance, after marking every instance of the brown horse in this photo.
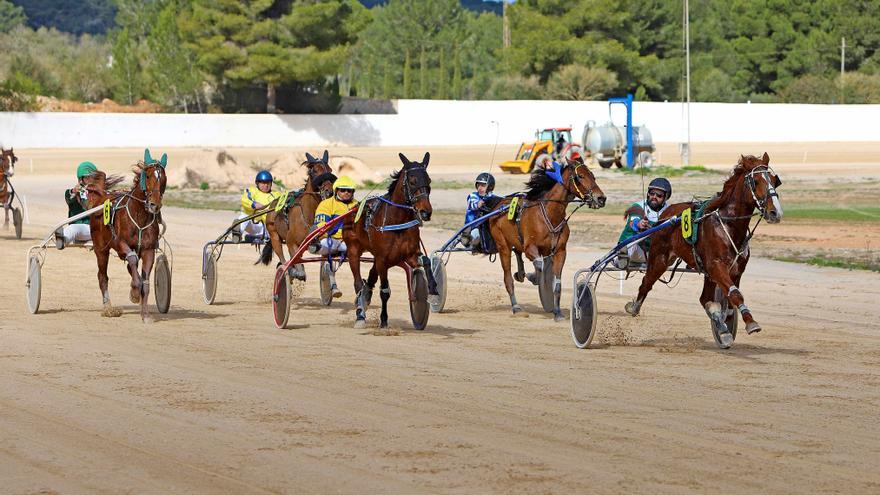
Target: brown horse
(133, 230)
(291, 225)
(541, 228)
(388, 227)
(7, 169)
(722, 248)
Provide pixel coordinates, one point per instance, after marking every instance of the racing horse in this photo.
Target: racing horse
(292, 223)
(7, 193)
(388, 227)
(721, 249)
(540, 228)
(133, 227)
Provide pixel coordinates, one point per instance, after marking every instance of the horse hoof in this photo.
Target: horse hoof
(134, 296)
(726, 340)
(148, 320)
(533, 278)
(360, 324)
(519, 311)
(519, 276)
(558, 316)
(335, 292)
(631, 308)
(111, 312)
(753, 327)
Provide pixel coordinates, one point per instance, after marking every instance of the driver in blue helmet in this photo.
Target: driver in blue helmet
(485, 185)
(253, 199)
(642, 216)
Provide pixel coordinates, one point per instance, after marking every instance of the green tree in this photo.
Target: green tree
(174, 78)
(515, 87)
(11, 16)
(576, 82)
(456, 77)
(125, 73)
(423, 74)
(407, 76)
(442, 75)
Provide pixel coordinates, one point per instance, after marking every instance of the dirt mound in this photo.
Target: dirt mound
(221, 170)
(52, 104)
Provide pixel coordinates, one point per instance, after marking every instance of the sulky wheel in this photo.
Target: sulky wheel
(438, 268)
(730, 317)
(326, 293)
(16, 221)
(209, 280)
(281, 298)
(162, 283)
(545, 286)
(419, 309)
(583, 314)
(33, 285)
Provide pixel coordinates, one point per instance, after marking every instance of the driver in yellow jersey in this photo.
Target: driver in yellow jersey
(333, 245)
(254, 198)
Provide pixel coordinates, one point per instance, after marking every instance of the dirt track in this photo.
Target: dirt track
(215, 399)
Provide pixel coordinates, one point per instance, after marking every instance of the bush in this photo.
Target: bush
(577, 82)
(17, 94)
(859, 88)
(810, 89)
(514, 88)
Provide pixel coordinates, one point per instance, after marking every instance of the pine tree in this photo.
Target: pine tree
(423, 74)
(407, 77)
(456, 77)
(441, 77)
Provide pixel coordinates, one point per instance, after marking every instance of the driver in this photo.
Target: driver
(255, 198)
(333, 245)
(77, 202)
(642, 216)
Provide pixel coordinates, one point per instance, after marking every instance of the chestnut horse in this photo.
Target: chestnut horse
(722, 248)
(7, 169)
(541, 228)
(133, 230)
(291, 224)
(388, 227)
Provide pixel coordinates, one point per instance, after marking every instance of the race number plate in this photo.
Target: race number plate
(107, 212)
(687, 226)
(282, 200)
(511, 213)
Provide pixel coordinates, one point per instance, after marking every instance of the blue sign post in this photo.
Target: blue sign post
(630, 145)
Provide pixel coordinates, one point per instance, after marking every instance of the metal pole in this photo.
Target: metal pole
(687, 50)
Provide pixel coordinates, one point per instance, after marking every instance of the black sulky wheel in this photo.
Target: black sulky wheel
(326, 293)
(162, 283)
(730, 317)
(33, 285)
(281, 298)
(438, 268)
(16, 221)
(583, 314)
(419, 309)
(545, 286)
(209, 280)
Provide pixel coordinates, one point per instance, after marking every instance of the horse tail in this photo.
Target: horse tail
(266, 255)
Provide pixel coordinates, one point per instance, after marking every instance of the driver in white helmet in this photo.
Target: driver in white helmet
(642, 216)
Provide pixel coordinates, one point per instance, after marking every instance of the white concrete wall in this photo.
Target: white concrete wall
(427, 122)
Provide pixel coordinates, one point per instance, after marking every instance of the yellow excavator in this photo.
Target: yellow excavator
(553, 141)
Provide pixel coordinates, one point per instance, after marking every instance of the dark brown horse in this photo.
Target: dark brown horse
(291, 224)
(722, 248)
(541, 229)
(133, 230)
(7, 169)
(388, 227)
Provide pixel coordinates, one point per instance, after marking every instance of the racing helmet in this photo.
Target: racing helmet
(662, 184)
(344, 182)
(486, 178)
(263, 176)
(84, 169)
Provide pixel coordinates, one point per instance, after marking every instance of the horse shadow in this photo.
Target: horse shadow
(175, 313)
(738, 350)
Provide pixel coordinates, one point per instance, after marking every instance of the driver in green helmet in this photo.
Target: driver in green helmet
(77, 202)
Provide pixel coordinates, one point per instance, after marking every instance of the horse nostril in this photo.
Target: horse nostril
(601, 201)
(426, 215)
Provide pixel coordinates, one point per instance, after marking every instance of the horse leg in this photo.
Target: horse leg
(134, 295)
(103, 279)
(368, 287)
(532, 252)
(384, 295)
(520, 274)
(6, 220)
(354, 262)
(147, 259)
(657, 264)
(297, 271)
(718, 272)
(504, 256)
(558, 262)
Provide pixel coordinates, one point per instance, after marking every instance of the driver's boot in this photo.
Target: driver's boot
(59, 238)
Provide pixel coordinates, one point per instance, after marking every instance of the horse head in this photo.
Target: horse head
(580, 181)
(414, 184)
(7, 162)
(150, 179)
(762, 182)
(320, 175)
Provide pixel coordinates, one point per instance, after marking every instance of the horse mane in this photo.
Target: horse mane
(745, 164)
(539, 184)
(395, 176)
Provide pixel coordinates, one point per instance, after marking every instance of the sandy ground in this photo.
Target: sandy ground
(214, 399)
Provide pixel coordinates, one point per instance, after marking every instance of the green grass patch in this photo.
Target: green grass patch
(845, 213)
(868, 261)
(435, 184)
(669, 171)
(202, 199)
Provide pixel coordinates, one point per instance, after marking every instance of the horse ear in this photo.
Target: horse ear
(326, 157)
(147, 158)
(426, 159)
(765, 158)
(404, 159)
(310, 158)
(164, 160)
